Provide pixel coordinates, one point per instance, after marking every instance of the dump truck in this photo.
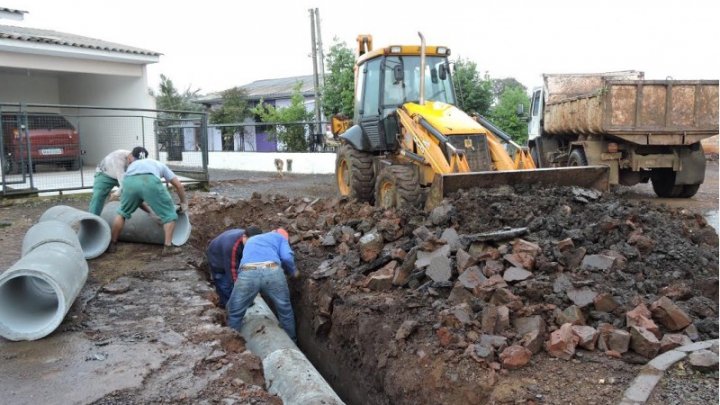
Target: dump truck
(642, 130)
(409, 143)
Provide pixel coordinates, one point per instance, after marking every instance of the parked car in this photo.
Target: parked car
(50, 138)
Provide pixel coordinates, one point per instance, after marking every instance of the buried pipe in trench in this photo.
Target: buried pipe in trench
(140, 228)
(93, 232)
(288, 373)
(38, 290)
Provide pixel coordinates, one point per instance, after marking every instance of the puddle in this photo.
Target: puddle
(712, 219)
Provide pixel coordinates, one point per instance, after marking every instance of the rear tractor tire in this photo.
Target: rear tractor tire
(354, 173)
(398, 186)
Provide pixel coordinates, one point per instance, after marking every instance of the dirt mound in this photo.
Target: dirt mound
(402, 307)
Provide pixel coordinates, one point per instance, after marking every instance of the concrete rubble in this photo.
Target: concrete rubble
(499, 275)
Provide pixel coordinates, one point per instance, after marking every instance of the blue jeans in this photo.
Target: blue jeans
(223, 285)
(272, 284)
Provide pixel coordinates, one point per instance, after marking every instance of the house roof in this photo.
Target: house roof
(12, 11)
(268, 89)
(61, 38)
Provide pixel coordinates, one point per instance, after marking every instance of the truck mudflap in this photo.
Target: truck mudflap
(595, 177)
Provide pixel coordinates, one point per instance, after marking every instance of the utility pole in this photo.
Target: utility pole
(316, 129)
(321, 55)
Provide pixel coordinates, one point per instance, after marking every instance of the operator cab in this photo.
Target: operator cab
(390, 77)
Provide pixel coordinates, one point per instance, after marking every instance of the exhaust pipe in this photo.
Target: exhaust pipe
(38, 290)
(92, 232)
(422, 68)
(140, 228)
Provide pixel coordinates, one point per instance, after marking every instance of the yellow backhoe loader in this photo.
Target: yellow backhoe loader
(409, 144)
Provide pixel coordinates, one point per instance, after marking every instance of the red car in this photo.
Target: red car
(50, 138)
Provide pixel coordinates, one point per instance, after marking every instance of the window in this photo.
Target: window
(536, 103)
(371, 101)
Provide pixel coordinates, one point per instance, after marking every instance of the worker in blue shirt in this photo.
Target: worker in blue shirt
(224, 254)
(261, 270)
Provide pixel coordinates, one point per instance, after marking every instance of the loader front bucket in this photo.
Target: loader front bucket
(596, 177)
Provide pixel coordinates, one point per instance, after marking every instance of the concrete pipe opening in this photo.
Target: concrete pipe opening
(38, 290)
(140, 228)
(92, 231)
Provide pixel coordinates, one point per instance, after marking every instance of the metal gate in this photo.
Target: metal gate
(55, 148)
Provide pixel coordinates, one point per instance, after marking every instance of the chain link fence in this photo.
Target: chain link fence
(251, 136)
(51, 148)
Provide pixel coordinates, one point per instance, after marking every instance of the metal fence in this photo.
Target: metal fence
(270, 137)
(49, 147)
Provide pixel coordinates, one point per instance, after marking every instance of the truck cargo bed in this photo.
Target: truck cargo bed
(646, 112)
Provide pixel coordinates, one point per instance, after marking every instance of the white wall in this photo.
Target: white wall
(125, 129)
(308, 163)
(28, 87)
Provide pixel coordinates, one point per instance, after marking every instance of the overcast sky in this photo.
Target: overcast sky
(214, 45)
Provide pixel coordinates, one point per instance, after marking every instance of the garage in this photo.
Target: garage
(60, 83)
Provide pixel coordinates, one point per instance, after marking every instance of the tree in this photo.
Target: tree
(499, 86)
(292, 133)
(168, 98)
(474, 94)
(504, 113)
(338, 93)
(234, 109)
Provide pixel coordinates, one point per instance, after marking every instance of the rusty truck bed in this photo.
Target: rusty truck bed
(647, 112)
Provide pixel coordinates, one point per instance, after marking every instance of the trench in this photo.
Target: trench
(344, 364)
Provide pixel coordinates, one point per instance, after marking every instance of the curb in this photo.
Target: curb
(642, 386)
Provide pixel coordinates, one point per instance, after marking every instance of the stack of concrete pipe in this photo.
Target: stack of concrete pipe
(38, 290)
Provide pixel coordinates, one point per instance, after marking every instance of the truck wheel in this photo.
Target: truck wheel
(397, 186)
(663, 182)
(354, 173)
(577, 158)
(689, 190)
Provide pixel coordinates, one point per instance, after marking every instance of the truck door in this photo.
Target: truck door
(536, 108)
(370, 111)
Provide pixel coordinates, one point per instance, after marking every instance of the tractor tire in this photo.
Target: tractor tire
(398, 186)
(577, 158)
(663, 182)
(354, 173)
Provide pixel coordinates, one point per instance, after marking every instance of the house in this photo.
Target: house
(276, 92)
(53, 71)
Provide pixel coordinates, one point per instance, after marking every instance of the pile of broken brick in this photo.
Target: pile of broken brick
(617, 277)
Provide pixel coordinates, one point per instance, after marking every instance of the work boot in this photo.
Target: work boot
(112, 248)
(169, 250)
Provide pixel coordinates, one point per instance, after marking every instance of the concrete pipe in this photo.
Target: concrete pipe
(92, 232)
(141, 228)
(286, 368)
(38, 290)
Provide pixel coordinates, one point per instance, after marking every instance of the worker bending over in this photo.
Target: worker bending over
(224, 254)
(261, 270)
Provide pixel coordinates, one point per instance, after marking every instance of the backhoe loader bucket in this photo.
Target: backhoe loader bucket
(596, 177)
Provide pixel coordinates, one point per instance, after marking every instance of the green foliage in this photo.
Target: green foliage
(291, 134)
(499, 86)
(338, 93)
(169, 98)
(473, 92)
(504, 113)
(234, 109)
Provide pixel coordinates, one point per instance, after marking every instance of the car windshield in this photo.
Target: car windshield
(438, 86)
